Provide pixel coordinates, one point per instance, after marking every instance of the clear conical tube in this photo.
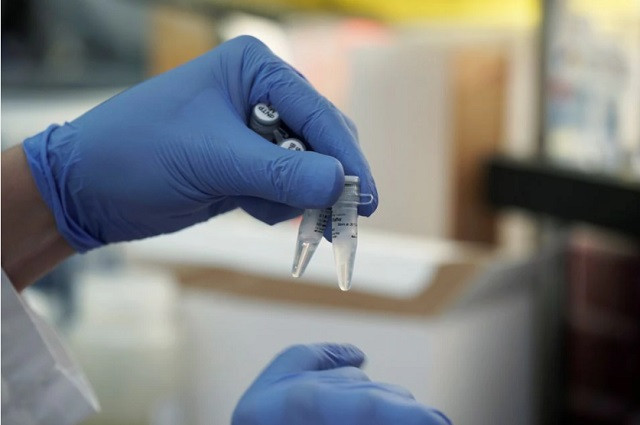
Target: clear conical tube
(310, 232)
(344, 231)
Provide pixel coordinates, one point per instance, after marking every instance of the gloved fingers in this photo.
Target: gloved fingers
(268, 212)
(352, 126)
(221, 207)
(308, 114)
(176, 221)
(395, 390)
(350, 373)
(439, 417)
(385, 404)
(301, 358)
(405, 411)
(297, 179)
(328, 133)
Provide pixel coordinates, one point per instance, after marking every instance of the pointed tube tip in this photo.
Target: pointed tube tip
(344, 277)
(302, 258)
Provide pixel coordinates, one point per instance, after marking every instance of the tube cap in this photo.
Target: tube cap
(265, 115)
(292, 144)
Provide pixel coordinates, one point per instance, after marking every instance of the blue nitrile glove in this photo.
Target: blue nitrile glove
(176, 150)
(323, 385)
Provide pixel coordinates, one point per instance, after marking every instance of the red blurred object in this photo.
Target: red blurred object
(603, 332)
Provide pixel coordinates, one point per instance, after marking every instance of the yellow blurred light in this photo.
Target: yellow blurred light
(511, 13)
(611, 16)
(475, 12)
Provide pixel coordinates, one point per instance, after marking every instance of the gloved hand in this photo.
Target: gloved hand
(176, 150)
(323, 385)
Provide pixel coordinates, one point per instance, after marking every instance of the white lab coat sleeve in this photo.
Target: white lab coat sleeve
(41, 384)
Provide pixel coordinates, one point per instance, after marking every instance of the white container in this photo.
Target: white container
(471, 359)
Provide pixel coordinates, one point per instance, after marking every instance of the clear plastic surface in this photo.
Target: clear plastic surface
(344, 231)
(310, 232)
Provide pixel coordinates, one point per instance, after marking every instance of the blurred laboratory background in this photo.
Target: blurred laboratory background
(499, 279)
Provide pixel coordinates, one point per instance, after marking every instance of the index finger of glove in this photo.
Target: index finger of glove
(302, 358)
(308, 114)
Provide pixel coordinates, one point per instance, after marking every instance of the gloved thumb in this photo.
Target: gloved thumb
(298, 179)
(300, 358)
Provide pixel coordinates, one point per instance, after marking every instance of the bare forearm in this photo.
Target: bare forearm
(31, 243)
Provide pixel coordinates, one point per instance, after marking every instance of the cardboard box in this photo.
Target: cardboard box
(451, 326)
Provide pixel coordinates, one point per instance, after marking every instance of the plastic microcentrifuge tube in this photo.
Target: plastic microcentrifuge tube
(312, 225)
(265, 121)
(344, 230)
(310, 232)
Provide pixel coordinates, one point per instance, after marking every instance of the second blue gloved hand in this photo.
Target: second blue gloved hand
(176, 150)
(323, 385)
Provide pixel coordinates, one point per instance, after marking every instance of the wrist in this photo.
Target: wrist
(50, 156)
(31, 242)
